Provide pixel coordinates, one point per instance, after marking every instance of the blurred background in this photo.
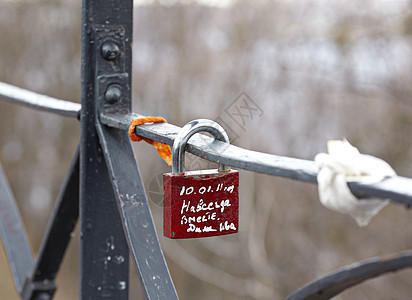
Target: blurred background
(282, 77)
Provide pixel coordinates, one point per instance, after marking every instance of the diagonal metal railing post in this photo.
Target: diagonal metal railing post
(137, 220)
(41, 282)
(15, 241)
(106, 74)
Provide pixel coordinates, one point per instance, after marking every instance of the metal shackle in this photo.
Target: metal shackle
(187, 131)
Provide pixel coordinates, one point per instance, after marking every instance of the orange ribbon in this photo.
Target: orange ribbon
(162, 149)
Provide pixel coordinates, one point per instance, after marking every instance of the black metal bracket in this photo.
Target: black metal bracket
(109, 42)
(112, 91)
(112, 79)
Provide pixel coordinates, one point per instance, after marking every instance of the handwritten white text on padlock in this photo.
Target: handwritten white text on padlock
(203, 206)
(189, 190)
(222, 227)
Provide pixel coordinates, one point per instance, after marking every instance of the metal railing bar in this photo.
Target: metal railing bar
(25, 97)
(57, 236)
(332, 284)
(15, 241)
(135, 212)
(397, 189)
(204, 147)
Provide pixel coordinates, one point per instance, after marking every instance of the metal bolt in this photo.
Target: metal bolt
(113, 94)
(110, 50)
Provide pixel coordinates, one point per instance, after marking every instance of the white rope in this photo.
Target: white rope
(345, 164)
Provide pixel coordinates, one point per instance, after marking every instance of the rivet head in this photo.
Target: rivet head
(113, 94)
(110, 50)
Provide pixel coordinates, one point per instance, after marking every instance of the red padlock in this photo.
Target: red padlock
(199, 203)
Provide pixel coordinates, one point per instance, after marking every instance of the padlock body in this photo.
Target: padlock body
(200, 204)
